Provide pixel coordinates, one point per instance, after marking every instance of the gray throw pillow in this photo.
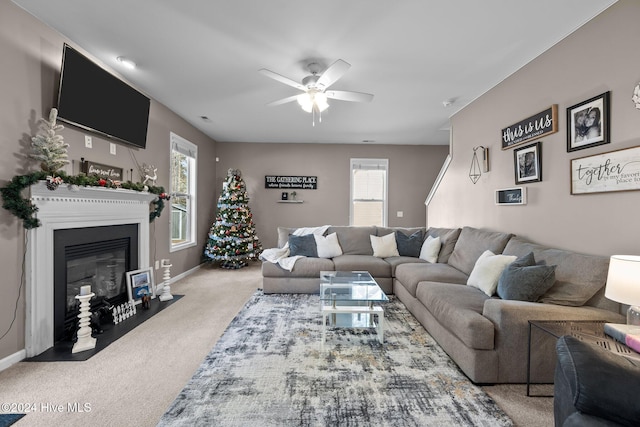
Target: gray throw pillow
(525, 281)
(409, 245)
(303, 245)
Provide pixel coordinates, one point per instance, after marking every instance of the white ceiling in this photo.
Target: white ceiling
(201, 58)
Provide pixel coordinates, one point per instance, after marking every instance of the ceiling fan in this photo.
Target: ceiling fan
(314, 87)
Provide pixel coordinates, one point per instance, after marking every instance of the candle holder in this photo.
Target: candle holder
(166, 288)
(85, 340)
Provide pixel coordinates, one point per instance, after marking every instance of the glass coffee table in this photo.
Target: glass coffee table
(347, 300)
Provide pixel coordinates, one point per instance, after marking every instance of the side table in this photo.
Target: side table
(589, 331)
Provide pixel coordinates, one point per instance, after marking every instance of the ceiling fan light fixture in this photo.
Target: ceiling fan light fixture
(310, 101)
(305, 101)
(321, 101)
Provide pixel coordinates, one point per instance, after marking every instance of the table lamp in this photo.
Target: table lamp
(623, 284)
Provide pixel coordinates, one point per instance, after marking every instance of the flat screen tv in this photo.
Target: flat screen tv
(94, 99)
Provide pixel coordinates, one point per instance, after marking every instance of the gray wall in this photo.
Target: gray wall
(601, 56)
(29, 71)
(412, 171)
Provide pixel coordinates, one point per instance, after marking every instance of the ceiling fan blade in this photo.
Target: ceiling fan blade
(281, 78)
(344, 95)
(333, 73)
(282, 101)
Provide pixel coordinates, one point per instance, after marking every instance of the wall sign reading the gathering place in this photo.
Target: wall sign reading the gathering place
(301, 182)
(536, 126)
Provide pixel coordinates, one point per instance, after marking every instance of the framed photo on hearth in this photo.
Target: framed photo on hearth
(527, 163)
(140, 283)
(588, 123)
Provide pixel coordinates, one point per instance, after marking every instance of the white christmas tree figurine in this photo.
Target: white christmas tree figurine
(48, 147)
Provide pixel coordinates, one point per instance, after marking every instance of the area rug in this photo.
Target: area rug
(270, 369)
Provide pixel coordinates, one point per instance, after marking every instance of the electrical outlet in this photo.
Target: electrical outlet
(88, 143)
(400, 214)
(157, 265)
(112, 148)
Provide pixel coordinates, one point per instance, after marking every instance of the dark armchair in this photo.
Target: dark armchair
(594, 387)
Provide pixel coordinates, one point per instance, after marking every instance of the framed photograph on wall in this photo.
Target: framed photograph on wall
(527, 163)
(588, 123)
(140, 283)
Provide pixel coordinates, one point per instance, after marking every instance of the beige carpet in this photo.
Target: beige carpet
(134, 380)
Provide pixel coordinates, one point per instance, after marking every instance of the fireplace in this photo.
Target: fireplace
(95, 256)
(73, 208)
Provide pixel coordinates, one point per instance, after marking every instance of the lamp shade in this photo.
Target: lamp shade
(623, 280)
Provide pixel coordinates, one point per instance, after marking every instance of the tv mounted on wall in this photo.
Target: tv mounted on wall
(94, 99)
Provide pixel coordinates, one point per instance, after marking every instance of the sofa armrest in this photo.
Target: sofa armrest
(511, 321)
(601, 384)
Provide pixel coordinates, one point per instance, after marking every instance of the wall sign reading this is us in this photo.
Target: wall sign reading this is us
(536, 126)
(613, 171)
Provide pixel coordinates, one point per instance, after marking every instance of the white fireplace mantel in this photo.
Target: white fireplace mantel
(70, 207)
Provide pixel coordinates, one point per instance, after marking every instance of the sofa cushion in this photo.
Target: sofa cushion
(407, 231)
(304, 267)
(459, 309)
(430, 249)
(448, 239)
(385, 246)
(409, 245)
(578, 277)
(487, 271)
(472, 243)
(395, 261)
(327, 246)
(523, 280)
(410, 274)
(354, 240)
(303, 246)
(377, 267)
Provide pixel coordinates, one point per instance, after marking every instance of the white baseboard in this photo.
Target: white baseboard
(185, 274)
(12, 359)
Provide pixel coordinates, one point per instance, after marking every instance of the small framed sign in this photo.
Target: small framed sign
(102, 171)
(536, 126)
(511, 196)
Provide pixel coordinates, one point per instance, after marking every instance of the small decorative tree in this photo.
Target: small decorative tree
(232, 237)
(48, 147)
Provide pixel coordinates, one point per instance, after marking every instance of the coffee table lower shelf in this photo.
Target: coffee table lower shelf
(344, 316)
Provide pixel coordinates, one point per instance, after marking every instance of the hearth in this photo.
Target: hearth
(91, 256)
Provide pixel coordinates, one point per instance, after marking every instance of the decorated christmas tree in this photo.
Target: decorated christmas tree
(232, 237)
(48, 147)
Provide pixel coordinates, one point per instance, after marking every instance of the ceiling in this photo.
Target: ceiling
(201, 58)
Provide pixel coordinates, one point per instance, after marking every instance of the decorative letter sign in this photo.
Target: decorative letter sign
(302, 182)
(536, 126)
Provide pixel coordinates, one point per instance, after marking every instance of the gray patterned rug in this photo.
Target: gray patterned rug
(269, 369)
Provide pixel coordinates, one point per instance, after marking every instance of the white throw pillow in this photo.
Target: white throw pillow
(385, 246)
(487, 270)
(328, 247)
(430, 249)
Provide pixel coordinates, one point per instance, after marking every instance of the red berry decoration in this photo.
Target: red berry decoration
(102, 182)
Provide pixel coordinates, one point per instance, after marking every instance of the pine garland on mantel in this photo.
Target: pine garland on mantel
(25, 210)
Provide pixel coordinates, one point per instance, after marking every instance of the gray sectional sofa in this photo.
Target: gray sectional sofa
(487, 336)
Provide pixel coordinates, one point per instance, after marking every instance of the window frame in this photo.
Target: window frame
(189, 149)
(385, 199)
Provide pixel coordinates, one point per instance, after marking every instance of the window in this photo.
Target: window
(369, 192)
(184, 155)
